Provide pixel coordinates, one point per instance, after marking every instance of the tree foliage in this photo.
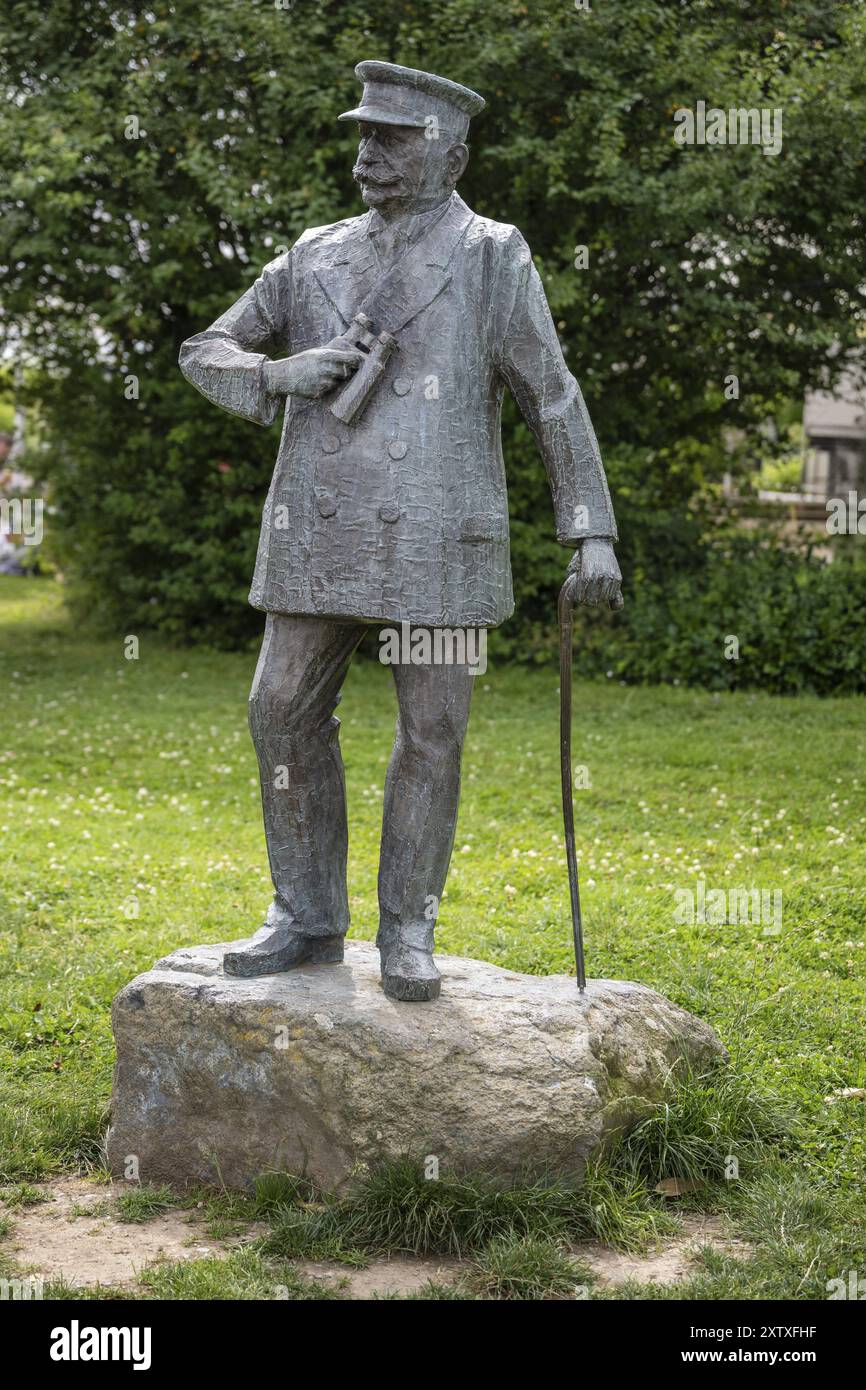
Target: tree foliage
(156, 155)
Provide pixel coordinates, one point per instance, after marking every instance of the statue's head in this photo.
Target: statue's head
(413, 127)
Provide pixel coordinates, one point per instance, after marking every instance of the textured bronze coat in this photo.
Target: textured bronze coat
(402, 515)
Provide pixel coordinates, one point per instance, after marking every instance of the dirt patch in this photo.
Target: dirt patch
(75, 1236)
(673, 1260)
(400, 1275)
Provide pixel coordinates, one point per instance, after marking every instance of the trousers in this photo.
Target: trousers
(296, 689)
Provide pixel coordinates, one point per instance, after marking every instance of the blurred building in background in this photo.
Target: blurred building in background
(834, 461)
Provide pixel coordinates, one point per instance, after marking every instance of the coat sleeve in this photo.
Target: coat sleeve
(224, 362)
(531, 362)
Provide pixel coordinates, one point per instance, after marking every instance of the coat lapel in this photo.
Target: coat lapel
(349, 272)
(349, 277)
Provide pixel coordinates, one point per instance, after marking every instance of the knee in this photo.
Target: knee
(432, 738)
(288, 708)
(266, 704)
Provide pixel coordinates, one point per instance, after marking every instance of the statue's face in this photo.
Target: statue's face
(399, 168)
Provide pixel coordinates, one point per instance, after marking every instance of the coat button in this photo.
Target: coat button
(397, 449)
(402, 385)
(389, 511)
(330, 443)
(326, 505)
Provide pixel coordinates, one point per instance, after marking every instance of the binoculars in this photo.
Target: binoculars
(361, 385)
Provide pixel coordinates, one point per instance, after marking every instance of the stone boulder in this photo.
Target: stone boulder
(317, 1072)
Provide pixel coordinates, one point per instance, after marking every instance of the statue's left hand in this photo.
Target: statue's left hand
(598, 574)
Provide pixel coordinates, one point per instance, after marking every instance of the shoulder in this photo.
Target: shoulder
(497, 257)
(500, 243)
(324, 243)
(317, 243)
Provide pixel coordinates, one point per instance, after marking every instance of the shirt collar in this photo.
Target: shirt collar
(410, 227)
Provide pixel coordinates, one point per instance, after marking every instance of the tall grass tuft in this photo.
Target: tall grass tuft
(527, 1267)
(711, 1126)
(398, 1210)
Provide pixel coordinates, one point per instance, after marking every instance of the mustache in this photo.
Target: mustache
(362, 173)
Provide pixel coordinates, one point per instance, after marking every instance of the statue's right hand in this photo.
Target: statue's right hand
(311, 373)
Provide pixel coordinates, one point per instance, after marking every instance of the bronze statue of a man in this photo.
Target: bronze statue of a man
(388, 503)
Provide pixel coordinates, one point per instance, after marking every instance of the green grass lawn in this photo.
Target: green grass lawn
(130, 825)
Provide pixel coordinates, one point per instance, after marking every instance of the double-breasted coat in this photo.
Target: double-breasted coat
(402, 515)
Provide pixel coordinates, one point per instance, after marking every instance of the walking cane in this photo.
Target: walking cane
(565, 608)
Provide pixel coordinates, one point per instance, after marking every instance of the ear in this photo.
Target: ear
(455, 162)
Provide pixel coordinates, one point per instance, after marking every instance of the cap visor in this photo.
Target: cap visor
(377, 115)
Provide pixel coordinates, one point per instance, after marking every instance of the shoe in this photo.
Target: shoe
(408, 972)
(277, 948)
